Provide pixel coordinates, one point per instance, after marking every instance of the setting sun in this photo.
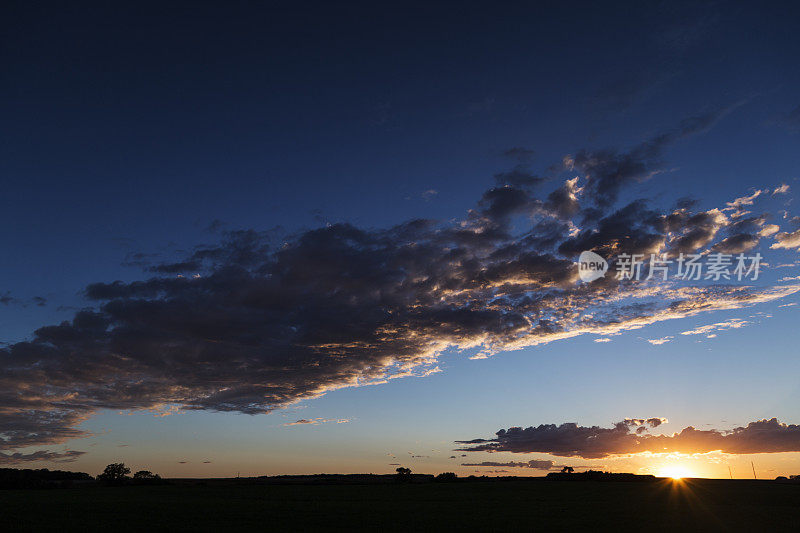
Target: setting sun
(675, 472)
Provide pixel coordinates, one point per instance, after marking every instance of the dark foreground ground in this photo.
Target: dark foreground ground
(512, 505)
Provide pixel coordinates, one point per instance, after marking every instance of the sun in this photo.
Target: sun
(675, 472)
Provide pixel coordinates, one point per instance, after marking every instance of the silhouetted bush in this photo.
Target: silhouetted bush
(446, 477)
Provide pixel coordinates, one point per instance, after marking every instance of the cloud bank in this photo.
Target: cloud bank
(535, 464)
(41, 455)
(255, 323)
(627, 437)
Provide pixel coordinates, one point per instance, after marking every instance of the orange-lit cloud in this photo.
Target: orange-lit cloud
(572, 440)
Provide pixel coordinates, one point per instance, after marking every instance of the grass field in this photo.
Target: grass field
(515, 505)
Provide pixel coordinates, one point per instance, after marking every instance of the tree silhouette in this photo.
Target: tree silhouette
(567, 470)
(145, 477)
(403, 474)
(447, 477)
(114, 474)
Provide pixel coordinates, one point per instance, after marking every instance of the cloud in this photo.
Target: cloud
(53, 457)
(746, 200)
(316, 421)
(658, 342)
(787, 240)
(609, 171)
(8, 300)
(768, 230)
(733, 323)
(300, 422)
(736, 244)
(537, 464)
(572, 440)
(519, 177)
(653, 422)
(693, 230)
(261, 320)
(429, 195)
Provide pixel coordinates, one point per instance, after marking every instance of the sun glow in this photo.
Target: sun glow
(674, 471)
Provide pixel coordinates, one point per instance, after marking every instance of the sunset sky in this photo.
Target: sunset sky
(343, 238)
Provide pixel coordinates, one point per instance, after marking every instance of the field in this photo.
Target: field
(492, 505)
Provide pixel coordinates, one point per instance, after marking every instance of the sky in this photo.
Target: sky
(266, 239)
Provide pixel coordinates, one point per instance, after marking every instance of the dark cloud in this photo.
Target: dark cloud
(609, 171)
(653, 422)
(8, 300)
(176, 268)
(572, 440)
(262, 320)
(536, 464)
(632, 229)
(563, 202)
(735, 244)
(53, 457)
(518, 177)
(693, 231)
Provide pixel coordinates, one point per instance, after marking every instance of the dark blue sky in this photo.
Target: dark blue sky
(142, 121)
(131, 129)
(147, 122)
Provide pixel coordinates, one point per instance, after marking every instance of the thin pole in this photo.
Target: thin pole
(729, 471)
(754, 470)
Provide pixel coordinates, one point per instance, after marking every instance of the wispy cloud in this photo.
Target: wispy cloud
(317, 421)
(733, 323)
